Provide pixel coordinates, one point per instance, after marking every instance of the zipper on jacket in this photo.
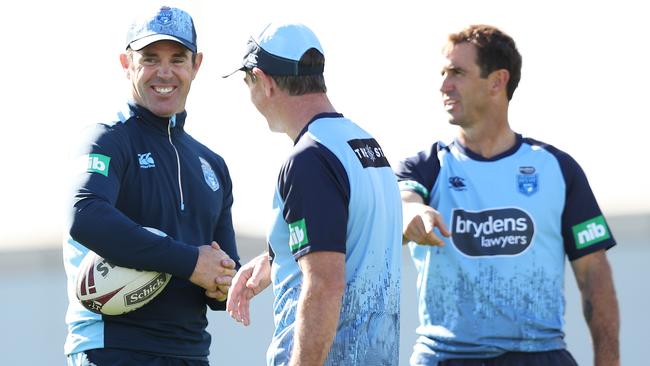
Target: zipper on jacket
(172, 123)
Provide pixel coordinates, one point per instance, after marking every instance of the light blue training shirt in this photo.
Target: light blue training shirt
(497, 284)
(337, 192)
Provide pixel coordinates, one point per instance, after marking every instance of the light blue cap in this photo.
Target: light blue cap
(278, 49)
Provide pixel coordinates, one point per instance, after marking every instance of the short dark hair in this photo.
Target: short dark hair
(495, 50)
(305, 84)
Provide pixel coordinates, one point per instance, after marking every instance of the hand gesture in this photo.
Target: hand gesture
(214, 271)
(252, 278)
(420, 220)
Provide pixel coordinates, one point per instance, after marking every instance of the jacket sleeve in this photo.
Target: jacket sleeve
(224, 233)
(101, 227)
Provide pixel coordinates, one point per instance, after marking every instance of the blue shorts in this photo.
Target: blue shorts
(118, 357)
(559, 357)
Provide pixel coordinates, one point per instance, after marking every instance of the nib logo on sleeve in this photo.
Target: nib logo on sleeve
(590, 232)
(98, 163)
(298, 235)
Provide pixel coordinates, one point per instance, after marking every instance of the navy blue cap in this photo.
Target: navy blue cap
(279, 48)
(167, 23)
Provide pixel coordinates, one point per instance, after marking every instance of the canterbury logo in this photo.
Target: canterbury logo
(146, 161)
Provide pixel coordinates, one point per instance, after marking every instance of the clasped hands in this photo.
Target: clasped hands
(214, 271)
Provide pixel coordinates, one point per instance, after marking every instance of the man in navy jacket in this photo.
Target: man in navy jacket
(144, 170)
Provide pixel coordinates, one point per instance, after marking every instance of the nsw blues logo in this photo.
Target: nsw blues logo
(208, 175)
(527, 180)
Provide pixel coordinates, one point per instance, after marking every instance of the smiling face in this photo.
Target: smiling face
(161, 75)
(465, 93)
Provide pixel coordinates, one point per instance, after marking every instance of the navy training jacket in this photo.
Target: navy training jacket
(146, 171)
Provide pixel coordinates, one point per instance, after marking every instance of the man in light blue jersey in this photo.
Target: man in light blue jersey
(496, 214)
(335, 240)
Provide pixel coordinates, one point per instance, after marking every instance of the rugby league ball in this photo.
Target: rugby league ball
(105, 288)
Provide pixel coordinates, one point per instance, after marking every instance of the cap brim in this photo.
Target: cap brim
(232, 72)
(145, 41)
(250, 60)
